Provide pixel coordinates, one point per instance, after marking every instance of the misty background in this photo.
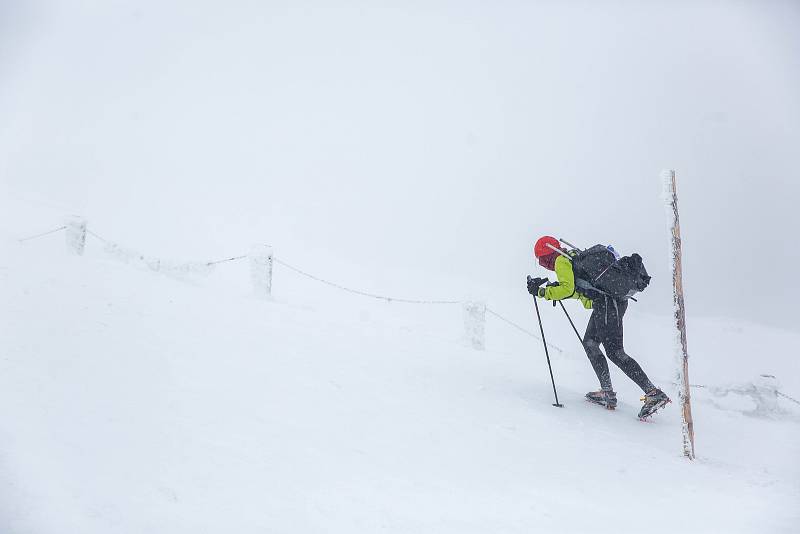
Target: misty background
(418, 148)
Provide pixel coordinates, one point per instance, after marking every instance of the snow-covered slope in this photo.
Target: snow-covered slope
(136, 402)
(415, 149)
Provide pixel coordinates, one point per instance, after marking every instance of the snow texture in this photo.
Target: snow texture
(159, 265)
(399, 150)
(134, 403)
(763, 394)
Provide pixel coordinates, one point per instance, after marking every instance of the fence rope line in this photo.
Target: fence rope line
(208, 264)
(354, 291)
(227, 259)
(37, 236)
(781, 394)
(363, 293)
(97, 236)
(333, 284)
(518, 327)
(788, 397)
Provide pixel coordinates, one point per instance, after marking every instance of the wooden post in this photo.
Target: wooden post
(261, 270)
(679, 314)
(475, 324)
(76, 234)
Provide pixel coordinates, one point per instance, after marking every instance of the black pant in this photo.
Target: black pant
(605, 327)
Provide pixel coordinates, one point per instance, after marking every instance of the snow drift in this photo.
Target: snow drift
(139, 401)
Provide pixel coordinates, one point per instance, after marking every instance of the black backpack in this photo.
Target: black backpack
(599, 273)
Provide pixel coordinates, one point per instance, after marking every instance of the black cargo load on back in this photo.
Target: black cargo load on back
(599, 273)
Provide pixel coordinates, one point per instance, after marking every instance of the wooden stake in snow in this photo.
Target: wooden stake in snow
(671, 198)
(76, 234)
(475, 324)
(261, 270)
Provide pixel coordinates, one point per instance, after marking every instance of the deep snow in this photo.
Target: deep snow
(409, 149)
(133, 401)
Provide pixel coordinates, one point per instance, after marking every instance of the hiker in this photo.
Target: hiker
(605, 323)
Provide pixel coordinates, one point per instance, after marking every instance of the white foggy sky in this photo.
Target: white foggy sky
(423, 143)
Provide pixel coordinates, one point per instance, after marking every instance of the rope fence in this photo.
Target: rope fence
(226, 260)
(93, 234)
(763, 392)
(363, 293)
(785, 396)
(261, 262)
(37, 236)
(521, 329)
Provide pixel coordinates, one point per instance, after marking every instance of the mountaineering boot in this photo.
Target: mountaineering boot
(654, 400)
(603, 398)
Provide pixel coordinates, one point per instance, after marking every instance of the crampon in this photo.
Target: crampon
(607, 399)
(653, 401)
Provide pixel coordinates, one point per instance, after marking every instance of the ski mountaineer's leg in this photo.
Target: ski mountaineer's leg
(654, 399)
(591, 343)
(613, 344)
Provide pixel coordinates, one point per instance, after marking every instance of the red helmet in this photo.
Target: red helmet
(541, 249)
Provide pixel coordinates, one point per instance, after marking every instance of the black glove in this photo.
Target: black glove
(533, 286)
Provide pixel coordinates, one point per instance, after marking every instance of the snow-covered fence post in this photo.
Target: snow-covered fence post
(76, 234)
(475, 324)
(681, 352)
(261, 270)
(766, 397)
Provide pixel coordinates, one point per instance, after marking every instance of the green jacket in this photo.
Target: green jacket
(566, 284)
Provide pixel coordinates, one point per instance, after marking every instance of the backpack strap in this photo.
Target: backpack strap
(596, 278)
(583, 284)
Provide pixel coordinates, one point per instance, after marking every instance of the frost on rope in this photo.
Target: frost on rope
(158, 265)
(760, 396)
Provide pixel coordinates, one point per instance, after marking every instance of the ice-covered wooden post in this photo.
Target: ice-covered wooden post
(76, 234)
(475, 324)
(766, 394)
(261, 270)
(681, 352)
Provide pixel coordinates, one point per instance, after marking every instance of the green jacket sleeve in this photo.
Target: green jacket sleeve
(566, 284)
(566, 281)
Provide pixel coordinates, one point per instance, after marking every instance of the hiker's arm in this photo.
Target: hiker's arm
(566, 281)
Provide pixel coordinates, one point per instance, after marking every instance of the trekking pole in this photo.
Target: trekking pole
(547, 354)
(571, 323)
